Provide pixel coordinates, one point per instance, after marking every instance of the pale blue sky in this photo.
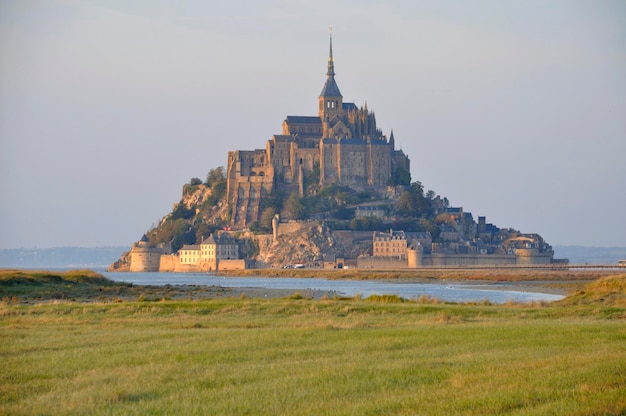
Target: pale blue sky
(513, 110)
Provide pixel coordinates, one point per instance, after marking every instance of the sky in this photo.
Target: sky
(512, 110)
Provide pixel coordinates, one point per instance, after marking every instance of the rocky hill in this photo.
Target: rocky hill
(322, 224)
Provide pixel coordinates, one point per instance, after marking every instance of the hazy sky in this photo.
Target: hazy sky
(513, 110)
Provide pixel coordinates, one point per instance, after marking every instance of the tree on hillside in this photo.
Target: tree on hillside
(401, 176)
(369, 223)
(265, 222)
(293, 208)
(215, 176)
(413, 203)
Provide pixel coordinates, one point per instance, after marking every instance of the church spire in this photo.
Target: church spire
(331, 63)
(330, 100)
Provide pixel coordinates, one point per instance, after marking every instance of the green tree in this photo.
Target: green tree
(400, 176)
(294, 209)
(369, 223)
(343, 213)
(274, 199)
(413, 203)
(181, 211)
(265, 222)
(215, 176)
(429, 225)
(407, 204)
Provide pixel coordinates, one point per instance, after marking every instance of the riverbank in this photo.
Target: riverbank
(27, 287)
(554, 282)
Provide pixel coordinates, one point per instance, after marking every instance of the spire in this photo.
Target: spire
(330, 87)
(331, 63)
(392, 140)
(330, 100)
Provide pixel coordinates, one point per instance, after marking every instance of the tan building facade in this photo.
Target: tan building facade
(392, 244)
(208, 254)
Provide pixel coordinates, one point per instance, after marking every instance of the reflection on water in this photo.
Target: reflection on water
(446, 291)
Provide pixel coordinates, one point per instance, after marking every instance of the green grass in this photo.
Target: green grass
(296, 356)
(16, 285)
(490, 274)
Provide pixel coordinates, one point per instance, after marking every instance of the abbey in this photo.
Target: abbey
(341, 145)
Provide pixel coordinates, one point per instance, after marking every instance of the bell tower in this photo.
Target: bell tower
(331, 100)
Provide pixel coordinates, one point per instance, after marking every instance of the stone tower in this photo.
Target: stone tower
(331, 100)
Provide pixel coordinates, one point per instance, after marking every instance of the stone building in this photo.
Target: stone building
(391, 244)
(397, 244)
(342, 145)
(145, 257)
(208, 254)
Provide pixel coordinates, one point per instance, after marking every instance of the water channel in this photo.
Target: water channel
(446, 291)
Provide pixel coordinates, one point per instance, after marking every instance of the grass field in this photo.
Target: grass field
(323, 357)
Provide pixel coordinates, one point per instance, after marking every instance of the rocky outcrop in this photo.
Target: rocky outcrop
(308, 243)
(122, 264)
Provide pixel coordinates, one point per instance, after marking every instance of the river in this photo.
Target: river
(445, 291)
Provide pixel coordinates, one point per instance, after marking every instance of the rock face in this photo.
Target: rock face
(308, 243)
(122, 264)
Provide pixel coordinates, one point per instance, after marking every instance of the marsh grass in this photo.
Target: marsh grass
(483, 274)
(297, 356)
(609, 290)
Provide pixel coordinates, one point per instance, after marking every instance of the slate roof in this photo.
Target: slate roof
(282, 138)
(354, 141)
(330, 88)
(304, 120)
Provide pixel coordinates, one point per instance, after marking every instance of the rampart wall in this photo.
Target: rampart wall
(239, 264)
(442, 260)
(144, 259)
(368, 262)
(289, 227)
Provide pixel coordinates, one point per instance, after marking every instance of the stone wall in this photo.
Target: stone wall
(240, 264)
(380, 263)
(418, 260)
(144, 259)
(168, 263)
(531, 256)
(289, 227)
(459, 260)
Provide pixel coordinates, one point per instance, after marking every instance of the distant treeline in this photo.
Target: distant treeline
(60, 257)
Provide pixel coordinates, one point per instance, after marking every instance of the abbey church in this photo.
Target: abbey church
(341, 144)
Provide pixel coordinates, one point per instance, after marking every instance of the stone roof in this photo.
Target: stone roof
(330, 88)
(209, 240)
(303, 120)
(282, 138)
(354, 141)
(190, 247)
(418, 235)
(214, 239)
